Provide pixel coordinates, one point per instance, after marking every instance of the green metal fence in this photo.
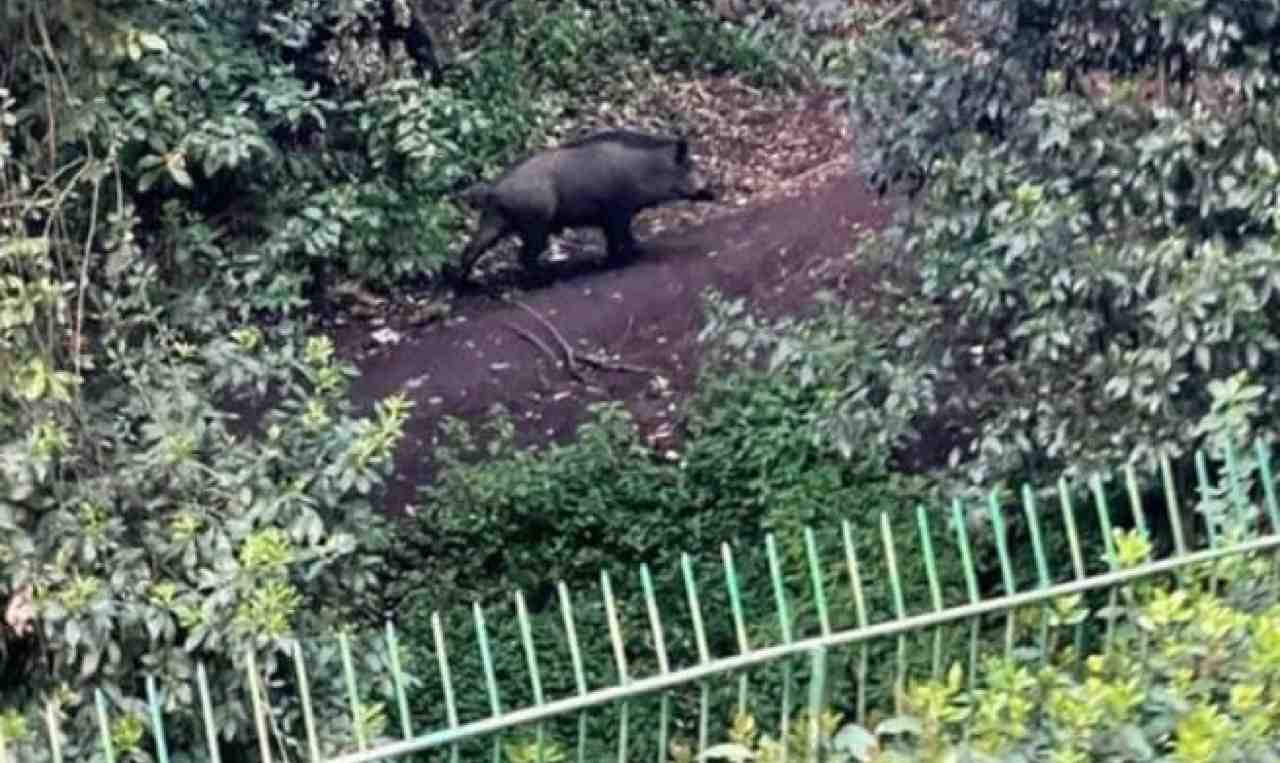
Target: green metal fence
(644, 698)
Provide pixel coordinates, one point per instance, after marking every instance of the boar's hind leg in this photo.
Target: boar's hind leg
(493, 226)
(621, 244)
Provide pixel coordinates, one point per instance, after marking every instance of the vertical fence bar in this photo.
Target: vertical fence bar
(257, 700)
(739, 622)
(818, 664)
(1172, 507)
(446, 680)
(619, 658)
(1135, 500)
(1104, 519)
(1263, 454)
(531, 661)
(935, 589)
(104, 727)
(1073, 535)
(1042, 565)
(704, 654)
(660, 650)
(155, 706)
(615, 630)
(490, 680)
(1206, 496)
(575, 656)
(817, 691)
(1077, 557)
(397, 678)
(784, 626)
(899, 607)
(206, 706)
(860, 611)
(1139, 515)
(353, 697)
(815, 578)
(304, 693)
(655, 620)
(971, 585)
(55, 734)
(1006, 569)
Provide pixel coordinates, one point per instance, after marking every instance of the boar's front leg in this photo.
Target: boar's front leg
(535, 243)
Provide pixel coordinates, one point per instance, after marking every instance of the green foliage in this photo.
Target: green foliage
(145, 534)
(756, 454)
(142, 527)
(859, 396)
(169, 172)
(571, 46)
(262, 172)
(1097, 245)
(753, 458)
(1186, 679)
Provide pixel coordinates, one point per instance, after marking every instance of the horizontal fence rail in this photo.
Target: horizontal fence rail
(813, 626)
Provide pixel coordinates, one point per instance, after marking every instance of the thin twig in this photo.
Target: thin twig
(631, 319)
(535, 341)
(570, 359)
(890, 16)
(541, 345)
(607, 365)
(84, 276)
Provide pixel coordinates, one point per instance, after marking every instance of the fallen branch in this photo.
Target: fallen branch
(890, 16)
(570, 360)
(608, 365)
(541, 345)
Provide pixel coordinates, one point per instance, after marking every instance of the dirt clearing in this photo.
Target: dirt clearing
(791, 210)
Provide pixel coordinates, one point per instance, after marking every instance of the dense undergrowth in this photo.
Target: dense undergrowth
(180, 183)
(1186, 676)
(1086, 281)
(1094, 263)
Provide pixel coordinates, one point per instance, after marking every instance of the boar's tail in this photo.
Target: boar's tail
(477, 195)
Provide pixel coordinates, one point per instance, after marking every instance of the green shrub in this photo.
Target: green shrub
(142, 528)
(753, 459)
(1188, 678)
(1095, 248)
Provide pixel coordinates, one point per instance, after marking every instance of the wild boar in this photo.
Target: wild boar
(602, 180)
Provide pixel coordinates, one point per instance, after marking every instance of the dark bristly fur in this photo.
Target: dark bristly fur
(599, 180)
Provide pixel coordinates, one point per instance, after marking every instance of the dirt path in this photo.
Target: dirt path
(776, 248)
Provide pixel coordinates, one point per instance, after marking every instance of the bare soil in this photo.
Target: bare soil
(787, 224)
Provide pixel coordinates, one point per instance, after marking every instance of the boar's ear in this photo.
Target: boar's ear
(682, 151)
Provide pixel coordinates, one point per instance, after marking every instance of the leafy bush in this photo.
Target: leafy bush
(754, 458)
(571, 46)
(1096, 249)
(756, 454)
(145, 534)
(142, 529)
(1186, 679)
